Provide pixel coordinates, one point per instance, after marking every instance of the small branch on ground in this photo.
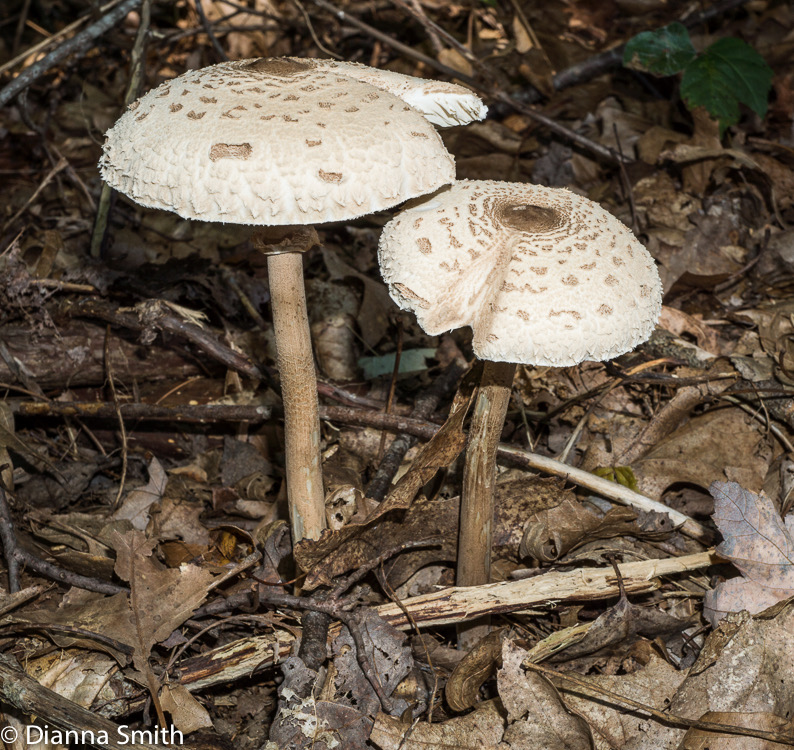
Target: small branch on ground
(78, 45)
(16, 557)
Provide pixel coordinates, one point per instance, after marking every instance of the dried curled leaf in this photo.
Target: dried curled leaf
(473, 670)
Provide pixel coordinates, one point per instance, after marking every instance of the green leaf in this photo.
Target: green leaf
(663, 52)
(619, 474)
(728, 72)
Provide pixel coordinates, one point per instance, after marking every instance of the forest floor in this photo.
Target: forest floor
(149, 579)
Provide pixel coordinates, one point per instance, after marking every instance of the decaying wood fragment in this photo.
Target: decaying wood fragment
(458, 604)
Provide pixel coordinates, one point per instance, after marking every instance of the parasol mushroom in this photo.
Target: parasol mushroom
(280, 142)
(543, 276)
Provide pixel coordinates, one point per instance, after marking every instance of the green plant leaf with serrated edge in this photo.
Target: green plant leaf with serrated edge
(663, 52)
(620, 475)
(728, 72)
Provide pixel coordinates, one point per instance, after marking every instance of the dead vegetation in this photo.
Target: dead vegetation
(149, 576)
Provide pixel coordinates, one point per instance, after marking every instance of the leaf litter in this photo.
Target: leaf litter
(179, 604)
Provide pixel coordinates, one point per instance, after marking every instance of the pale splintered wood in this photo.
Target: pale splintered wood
(451, 606)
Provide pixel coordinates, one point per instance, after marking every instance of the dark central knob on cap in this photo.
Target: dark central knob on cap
(277, 66)
(529, 218)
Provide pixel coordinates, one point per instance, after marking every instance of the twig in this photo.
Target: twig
(71, 630)
(216, 45)
(122, 427)
(62, 164)
(347, 583)
(137, 61)
(8, 538)
(392, 384)
(159, 315)
(79, 44)
(153, 314)
(310, 27)
(16, 556)
(425, 430)
(204, 414)
(457, 604)
(350, 619)
(36, 48)
(26, 695)
(21, 22)
(661, 716)
(490, 91)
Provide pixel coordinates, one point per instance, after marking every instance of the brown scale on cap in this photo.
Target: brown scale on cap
(484, 233)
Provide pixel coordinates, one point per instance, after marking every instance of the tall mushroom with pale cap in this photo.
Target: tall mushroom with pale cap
(285, 142)
(543, 277)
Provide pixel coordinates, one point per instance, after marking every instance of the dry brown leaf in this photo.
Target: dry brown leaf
(751, 668)
(135, 507)
(552, 533)
(389, 656)
(612, 726)
(473, 670)
(106, 615)
(759, 543)
(81, 676)
(621, 626)
(480, 730)
(376, 305)
(178, 518)
(518, 498)
(700, 739)
(679, 322)
(698, 453)
(186, 712)
(160, 599)
(776, 332)
(537, 716)
(706, 135)
(455, 60)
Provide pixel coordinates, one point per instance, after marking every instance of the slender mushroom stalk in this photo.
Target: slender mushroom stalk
(542, 276)
(286, 141)
(479, 481)
(284, 247)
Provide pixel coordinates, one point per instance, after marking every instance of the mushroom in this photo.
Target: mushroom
(280, 142)
(543, 276)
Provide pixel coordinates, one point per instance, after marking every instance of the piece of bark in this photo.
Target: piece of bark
(72, 355)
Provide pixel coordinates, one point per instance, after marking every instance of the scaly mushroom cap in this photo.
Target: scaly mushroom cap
(271, 142)
(542, 275)
(444, 104)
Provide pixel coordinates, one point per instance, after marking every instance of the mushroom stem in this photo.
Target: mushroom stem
(299, 393)
(479, 479)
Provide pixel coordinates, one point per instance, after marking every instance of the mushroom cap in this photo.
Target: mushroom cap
(444, 104)
(543, 276)
(271, 142)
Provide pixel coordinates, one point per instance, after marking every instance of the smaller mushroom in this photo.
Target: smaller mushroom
(543, 276)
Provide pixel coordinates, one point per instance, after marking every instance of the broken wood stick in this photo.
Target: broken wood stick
(458, 604)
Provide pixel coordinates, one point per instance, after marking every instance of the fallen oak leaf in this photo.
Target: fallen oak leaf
(759, 543)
